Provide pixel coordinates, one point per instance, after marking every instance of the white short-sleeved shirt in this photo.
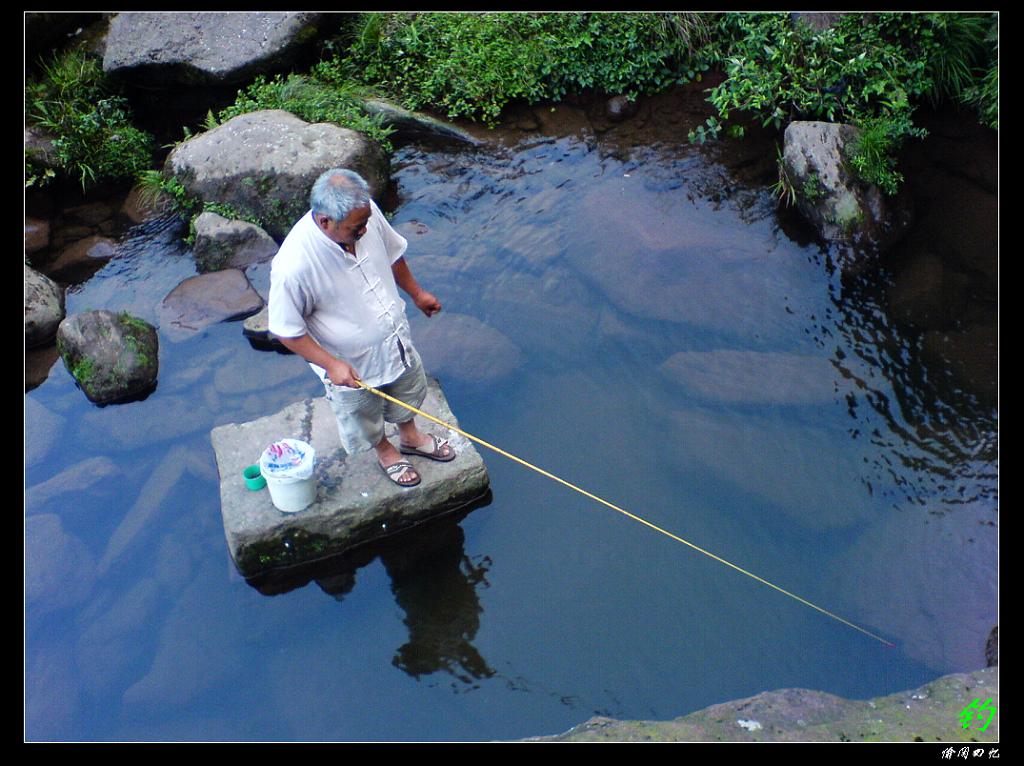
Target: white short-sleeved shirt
(349, 304)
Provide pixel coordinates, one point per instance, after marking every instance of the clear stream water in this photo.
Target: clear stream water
(625, 310)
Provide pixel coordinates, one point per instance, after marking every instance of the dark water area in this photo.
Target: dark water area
(629, 312)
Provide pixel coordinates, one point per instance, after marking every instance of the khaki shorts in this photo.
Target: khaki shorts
(361, 414)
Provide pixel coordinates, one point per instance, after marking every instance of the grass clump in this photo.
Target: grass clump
(93, 138)
(872, 156)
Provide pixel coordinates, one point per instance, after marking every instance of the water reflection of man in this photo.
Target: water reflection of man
(435, 583)
(334, 301)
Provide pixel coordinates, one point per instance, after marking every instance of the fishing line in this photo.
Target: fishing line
(624, 512)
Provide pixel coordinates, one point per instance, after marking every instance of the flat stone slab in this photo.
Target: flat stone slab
(355, 502)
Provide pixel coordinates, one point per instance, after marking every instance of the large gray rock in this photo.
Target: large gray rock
(355, 503)
(111, 356)
(264, 164)
(44, 308)
(221, 243)
(204, 48)
(203, 300)
(841, 208)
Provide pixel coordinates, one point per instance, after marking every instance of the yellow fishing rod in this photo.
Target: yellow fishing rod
(624, 512)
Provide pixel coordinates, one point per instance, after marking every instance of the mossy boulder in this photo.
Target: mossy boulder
(263, 164)
(839, 206)
(112, 356)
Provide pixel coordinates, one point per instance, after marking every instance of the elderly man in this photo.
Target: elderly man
(334, 301)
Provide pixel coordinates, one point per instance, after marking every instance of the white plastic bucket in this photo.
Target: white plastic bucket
(291, 495)
(287, 465)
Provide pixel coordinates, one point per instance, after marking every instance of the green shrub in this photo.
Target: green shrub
(474, 64)
(871, 70)
(954, 44)
(93, 138)
(983, 93)
(865, 66)
(326, 94)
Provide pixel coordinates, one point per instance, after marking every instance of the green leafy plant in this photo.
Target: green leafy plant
(873, 156)
(709, 131)
(474, 64)
(811, 188)
(868, 69)
(93, 138)
(153, 185)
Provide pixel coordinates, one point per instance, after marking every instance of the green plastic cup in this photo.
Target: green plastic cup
(253, 478)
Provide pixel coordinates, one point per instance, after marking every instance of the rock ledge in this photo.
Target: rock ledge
(355, 504)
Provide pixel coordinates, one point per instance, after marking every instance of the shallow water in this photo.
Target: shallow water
(626, 311)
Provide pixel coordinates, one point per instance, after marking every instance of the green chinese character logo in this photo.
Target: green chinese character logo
(976, 711)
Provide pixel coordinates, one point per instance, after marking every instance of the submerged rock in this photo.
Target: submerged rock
(44, 308)
(203, 300)
(464, 347)
(82, 477)
(59, 568)
(264, 163)
(80, 260)
(746, 377)
(355, 502)
(111, 356)
(37, 235)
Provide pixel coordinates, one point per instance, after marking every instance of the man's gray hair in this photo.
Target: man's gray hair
(338, 192)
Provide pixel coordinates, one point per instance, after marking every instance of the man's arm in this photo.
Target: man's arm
(425, 301)
(339, 371)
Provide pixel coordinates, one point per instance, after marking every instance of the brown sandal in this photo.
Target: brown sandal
(436, 452)
(396, 471)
